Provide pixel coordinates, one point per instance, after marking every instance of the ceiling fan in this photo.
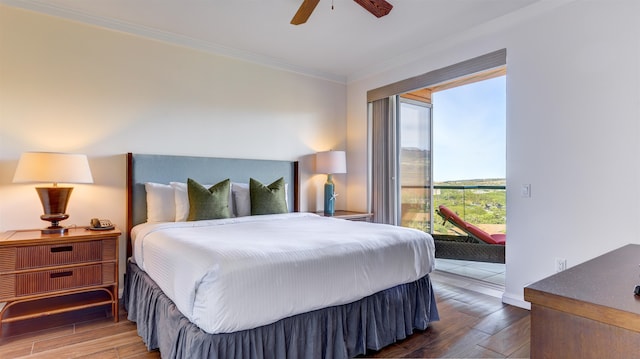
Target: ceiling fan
(378, 8)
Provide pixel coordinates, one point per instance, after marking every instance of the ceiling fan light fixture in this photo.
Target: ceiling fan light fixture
(378, 8)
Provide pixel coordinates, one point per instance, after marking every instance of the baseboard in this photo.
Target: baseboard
(517, 301)
(481, 287)
(472, 284)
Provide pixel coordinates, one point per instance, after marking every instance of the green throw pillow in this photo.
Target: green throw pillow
(267, 199)
(212, 203)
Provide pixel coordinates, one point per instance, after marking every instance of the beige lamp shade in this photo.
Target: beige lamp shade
(39, 167)
(330, 162)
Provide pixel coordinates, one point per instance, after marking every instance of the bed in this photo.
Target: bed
(285, 285)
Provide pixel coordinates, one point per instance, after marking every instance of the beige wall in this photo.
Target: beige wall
(573, 129)
(70, 87)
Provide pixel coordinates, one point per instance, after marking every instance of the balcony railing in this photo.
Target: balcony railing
(482, 205)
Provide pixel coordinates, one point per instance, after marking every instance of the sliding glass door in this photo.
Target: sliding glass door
(415, 164)
(414, 208)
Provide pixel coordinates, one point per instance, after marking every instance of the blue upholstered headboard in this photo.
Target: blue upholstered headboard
(164, 169)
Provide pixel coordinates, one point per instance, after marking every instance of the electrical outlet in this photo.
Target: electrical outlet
(561, 264)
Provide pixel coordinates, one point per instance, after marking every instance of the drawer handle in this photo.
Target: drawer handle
(61, 249)
(60, 274)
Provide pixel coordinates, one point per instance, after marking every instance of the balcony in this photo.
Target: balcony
(484, 205)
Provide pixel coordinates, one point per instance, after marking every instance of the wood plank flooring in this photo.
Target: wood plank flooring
(472, 325)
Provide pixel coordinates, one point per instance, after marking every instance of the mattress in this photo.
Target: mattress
(234, 274)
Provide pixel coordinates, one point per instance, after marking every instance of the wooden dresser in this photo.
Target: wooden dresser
(588, 311)
(44, 274)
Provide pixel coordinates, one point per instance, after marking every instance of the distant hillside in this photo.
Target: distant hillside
(475, 182)
(414, 169)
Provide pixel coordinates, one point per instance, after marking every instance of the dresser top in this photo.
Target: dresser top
(35, 236)
(606, 281)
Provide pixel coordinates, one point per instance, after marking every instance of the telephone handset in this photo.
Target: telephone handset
(100, 224)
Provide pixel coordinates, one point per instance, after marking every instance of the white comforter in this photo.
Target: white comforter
(239, 273)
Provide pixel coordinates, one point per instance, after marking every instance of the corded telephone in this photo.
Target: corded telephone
(100, 224)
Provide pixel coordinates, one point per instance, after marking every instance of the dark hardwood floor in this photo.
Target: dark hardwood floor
(472, 325)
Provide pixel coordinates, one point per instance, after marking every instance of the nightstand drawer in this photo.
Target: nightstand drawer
(30, 257)
(48, 281)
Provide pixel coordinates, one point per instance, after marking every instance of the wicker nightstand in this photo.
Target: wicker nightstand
(44, 274)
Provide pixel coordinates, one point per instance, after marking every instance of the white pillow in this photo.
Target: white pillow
(181, 201)
(181, 193)
(241, 198)
(161, 206)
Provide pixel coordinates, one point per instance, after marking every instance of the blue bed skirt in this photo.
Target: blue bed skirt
(341, 331)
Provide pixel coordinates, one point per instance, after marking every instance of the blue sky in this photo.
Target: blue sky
(469, 133)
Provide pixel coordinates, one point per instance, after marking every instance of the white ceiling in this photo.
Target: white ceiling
(336, 44)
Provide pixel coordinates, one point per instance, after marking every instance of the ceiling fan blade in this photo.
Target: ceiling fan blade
(378, 8)
(304, 12)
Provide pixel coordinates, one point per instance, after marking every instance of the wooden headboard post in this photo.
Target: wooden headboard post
(130, 186)
(165, 168)
(296, 188)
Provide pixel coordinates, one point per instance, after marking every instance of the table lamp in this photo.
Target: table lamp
(55, 168)
(330, 162)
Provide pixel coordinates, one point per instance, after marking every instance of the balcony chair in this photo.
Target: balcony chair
(471, 230)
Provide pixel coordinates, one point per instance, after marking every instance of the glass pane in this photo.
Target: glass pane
(415, 165)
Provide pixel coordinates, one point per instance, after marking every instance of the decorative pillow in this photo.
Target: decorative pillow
(182, 200)
(161, 206)
(241, 203)
(269, 199)
(212, 203)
